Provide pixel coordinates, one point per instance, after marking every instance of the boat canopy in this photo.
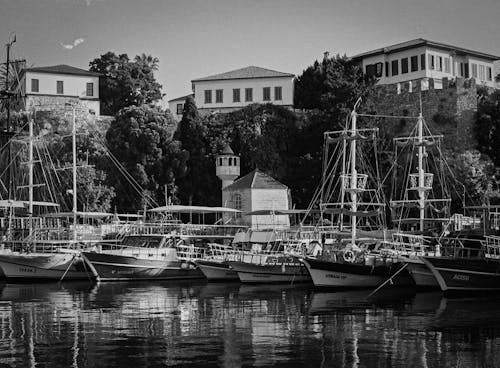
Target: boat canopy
(96, 215)
(194, 209)
(10, 203)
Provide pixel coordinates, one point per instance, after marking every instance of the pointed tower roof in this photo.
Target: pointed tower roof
(256, 180)
(227, 151)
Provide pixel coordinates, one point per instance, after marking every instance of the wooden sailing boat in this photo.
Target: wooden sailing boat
(345, 263)
(37, 259)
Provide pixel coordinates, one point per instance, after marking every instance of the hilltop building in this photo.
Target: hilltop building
(52, 87)
(421, 59)
(238, 88)
(176, 106)
(252, 192)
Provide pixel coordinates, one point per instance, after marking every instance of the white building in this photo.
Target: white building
(238, 88)
(176, 106)
(255, 191)
(424, 59)
(52, 87)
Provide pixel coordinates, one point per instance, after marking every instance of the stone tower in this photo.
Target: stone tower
(227, 166)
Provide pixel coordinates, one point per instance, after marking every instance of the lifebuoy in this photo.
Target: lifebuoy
(348, 256)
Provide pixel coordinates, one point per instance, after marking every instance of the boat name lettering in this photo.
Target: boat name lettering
(335, 276)
(461, 277)
(25, 269)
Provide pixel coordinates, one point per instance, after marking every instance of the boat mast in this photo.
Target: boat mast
(421, 173)
(73, 133)
(30, 184)
(354, 179)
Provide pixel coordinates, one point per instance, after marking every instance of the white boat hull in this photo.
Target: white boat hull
(44, 267)
(217, 271)
(275, 273)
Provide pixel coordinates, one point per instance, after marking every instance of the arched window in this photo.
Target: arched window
(230, 161)
(220, 161)
(235, 161)
(236, 201)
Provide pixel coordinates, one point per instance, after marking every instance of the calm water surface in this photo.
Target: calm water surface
(232, 325)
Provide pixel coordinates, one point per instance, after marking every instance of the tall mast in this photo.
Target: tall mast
(30, 169)
(74, 173)
(354, 179)
(421, 173)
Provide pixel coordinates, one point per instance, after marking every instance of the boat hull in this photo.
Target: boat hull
(329, 274)
(113, 267)
(462, 274)
(272, 273)
(44, 267)
(421, 274)
(217, 271)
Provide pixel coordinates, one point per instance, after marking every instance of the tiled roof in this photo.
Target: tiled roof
(423, 42)
(245, 73)
(183, 98)
(227, 150)
(62, 69)
(256, 180)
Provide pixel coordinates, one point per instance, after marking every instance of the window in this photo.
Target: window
(60, 87)
(447, 65)
(230, 163)
(236, 95)
(90, 89)
(220, 161)
(236, 201)
(277, 94)
(488, 73)
(34, 85)
(394, 67)
(474, 70)
(179, 109)
(422, 62)
(386, 68)
(461, 69)
(248, 94)
(439, 63)
(466, 70)
(482, 74)
(208, 96)
(414, 63)
(404, 65)
(219, 97)
(431, 62)
(266, 93)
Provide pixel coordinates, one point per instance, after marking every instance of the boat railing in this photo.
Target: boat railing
(492, 247)
(463, 248)
(188, 252)
(410, 244)
(264, 258)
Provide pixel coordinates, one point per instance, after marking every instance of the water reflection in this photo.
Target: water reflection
(232, 325)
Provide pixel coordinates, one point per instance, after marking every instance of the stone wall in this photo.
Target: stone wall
(449, 110)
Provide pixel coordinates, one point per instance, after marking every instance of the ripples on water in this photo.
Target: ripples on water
(232, 325)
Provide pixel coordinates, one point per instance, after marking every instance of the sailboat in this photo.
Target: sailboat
(44, 255)
(350, 261)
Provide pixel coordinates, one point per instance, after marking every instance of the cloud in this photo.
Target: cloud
(74, 44)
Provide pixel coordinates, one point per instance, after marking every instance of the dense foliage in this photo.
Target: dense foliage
(140, 140)
(126, 82)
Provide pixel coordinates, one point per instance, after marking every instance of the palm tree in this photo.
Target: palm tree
(148, 60)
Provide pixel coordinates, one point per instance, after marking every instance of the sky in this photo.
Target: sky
(197, 38)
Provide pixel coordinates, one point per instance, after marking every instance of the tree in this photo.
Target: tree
(124, 82)
(487, 126)
(140, 139)
(195, 186)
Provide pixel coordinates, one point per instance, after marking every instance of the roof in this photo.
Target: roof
(227, 150)
(192, 209)
(183, 98)
(248, 72)
(423, 42)
(62, 69)
(256, 180)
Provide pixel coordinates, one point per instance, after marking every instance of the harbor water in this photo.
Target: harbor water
(179, 324)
